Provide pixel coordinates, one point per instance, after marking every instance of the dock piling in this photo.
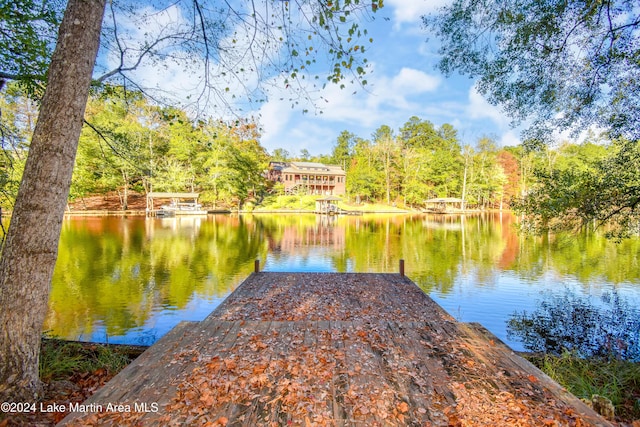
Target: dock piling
(256, 266)
(402, 267)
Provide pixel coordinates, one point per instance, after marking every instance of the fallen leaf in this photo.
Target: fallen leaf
(403, 407)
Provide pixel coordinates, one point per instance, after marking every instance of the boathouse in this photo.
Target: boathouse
(444, 205)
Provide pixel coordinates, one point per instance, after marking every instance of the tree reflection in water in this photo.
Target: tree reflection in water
(608, 327)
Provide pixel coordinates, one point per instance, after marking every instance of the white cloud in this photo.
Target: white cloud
(387, 100)
(410, 81)
(411, 11)
(274, 116)
(509, 138)
(354, 107)
(479, 108)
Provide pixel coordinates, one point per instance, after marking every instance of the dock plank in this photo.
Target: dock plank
(328, 349)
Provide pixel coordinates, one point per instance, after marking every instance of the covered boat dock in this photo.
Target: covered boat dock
(179, 204)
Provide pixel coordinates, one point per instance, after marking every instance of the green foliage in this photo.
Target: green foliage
(17, 120)
(585, 186)
(567, 322)
(131, 144)
(28, 29)
(343, 150)
(364, 178)
(120, 147)
(436, 153)
(486, 178)
(280, 155)
(568, 64)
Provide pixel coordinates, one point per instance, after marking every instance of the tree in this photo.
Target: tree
(280, 155)
(364, 176)
(569, 65)
(274, 41)
(343, 150)
(510, 166)
(29, 253)
(587, 185)
(305, 155)
(116, 149)
(488, 178)
(387, 150)
(438, 153)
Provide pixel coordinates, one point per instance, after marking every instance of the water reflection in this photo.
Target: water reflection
(133, 279)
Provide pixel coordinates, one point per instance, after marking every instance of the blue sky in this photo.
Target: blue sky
(403, 82)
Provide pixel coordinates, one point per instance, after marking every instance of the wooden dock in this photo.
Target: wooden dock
(331, 349)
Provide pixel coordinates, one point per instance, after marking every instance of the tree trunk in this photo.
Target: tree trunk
(30, 252)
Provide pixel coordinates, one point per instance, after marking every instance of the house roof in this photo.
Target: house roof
(445, 200)
(311, 167)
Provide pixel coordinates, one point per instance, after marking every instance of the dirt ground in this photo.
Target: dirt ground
(109, 202)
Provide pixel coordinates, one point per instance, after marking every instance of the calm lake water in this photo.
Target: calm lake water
(130, 280)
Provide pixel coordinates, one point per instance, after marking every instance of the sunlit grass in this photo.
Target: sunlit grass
(61, 359)
(617, 380)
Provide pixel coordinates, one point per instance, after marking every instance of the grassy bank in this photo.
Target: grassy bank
(617, 380)
(61, 360)
(308, 203)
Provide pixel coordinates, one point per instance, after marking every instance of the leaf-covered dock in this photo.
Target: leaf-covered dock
(331, 349)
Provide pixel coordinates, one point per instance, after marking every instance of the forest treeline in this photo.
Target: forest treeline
(130, 144)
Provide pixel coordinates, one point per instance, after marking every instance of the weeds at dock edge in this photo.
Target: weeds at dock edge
(617, 380)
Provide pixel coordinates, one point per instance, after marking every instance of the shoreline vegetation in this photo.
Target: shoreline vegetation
(110, 205)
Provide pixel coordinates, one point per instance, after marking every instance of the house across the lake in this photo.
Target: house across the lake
(308, 177)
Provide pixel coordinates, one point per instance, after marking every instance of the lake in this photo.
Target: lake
(132, 279)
